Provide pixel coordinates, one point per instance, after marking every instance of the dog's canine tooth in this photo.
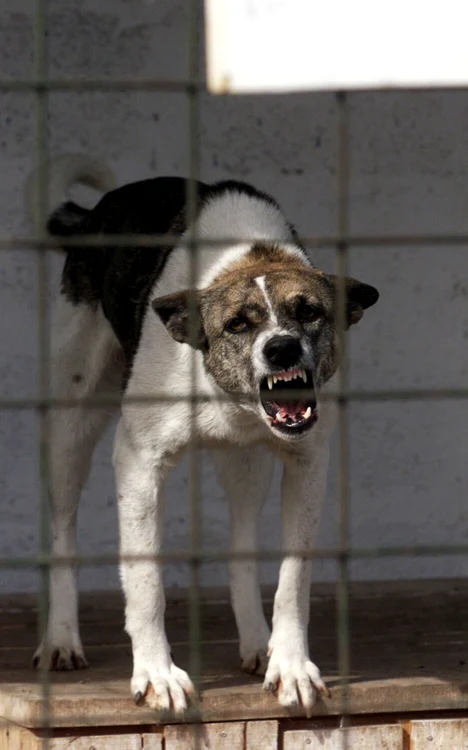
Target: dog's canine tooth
(304, 376)
(307, 413)
(270, 382)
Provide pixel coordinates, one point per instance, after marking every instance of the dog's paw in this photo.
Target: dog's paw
(295, 680)
(254, 638)
(59, 658)
(254, 661)
(161, 687)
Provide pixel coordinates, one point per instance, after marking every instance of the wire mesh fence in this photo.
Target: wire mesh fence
(45, 402)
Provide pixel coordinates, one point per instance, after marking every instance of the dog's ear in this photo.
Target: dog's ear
(359, 297)
(182, 318)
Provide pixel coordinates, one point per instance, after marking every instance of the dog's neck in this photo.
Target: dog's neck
(227, 227)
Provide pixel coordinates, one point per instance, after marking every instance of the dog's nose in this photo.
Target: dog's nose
(283, 351)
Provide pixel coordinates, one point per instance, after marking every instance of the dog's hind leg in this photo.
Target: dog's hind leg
(86, 361)
(245, 475)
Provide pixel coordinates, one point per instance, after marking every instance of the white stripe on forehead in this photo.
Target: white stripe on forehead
(260, 280)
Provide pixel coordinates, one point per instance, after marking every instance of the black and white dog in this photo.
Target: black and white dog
(266, 324)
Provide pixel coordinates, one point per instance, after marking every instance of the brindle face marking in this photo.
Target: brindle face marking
(267, 328)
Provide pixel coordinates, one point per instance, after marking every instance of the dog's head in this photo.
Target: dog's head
(268, 331)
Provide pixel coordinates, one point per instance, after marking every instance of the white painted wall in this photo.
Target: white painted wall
(409, 482)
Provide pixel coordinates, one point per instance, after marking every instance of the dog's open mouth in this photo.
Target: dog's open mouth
(288, 399)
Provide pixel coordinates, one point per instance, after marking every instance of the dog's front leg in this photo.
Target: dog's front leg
(245, 474)
(290, 670)
(140, 477)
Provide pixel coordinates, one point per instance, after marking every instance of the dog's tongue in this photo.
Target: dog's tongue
(290, 409)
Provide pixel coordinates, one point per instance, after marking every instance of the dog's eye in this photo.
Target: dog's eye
(236, 325)
(309, 313)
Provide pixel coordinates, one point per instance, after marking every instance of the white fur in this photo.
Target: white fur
(149, 440)
(245, 475)
(302, 493)
(260, 281)
(243, 218)
(84, 350)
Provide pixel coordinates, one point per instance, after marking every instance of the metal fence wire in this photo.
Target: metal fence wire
(43, 403)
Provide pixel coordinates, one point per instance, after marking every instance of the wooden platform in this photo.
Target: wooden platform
(409, 656)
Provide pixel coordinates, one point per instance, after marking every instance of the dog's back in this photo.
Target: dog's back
(119, 276)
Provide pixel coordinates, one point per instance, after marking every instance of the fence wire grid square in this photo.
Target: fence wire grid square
(342, 242)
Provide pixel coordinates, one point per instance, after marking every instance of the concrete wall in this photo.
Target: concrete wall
(409, 174)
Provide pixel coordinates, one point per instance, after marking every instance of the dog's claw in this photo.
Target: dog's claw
(325, 692)
(161, 688)
(297, 683)
(79, 662)
(322, 688)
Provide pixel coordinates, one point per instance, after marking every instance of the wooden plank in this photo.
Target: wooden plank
(106, 702)
(112, 601)
(418, 630)
(16, 738)
(134, 741)
(213, 736)
(100, 742)
(384, 737)
(439, 734)
(261, 735)
(151, 741)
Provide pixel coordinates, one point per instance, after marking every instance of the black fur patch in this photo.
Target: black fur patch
(66, 220)
(120, 279)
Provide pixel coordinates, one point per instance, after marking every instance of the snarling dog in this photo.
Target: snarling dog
(261, 348)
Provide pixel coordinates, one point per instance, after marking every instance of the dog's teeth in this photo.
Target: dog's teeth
(307, 413)
(303, 376)
(270, 382)
(275, 379)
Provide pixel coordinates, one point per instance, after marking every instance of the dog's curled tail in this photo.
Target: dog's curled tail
(62, 173)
